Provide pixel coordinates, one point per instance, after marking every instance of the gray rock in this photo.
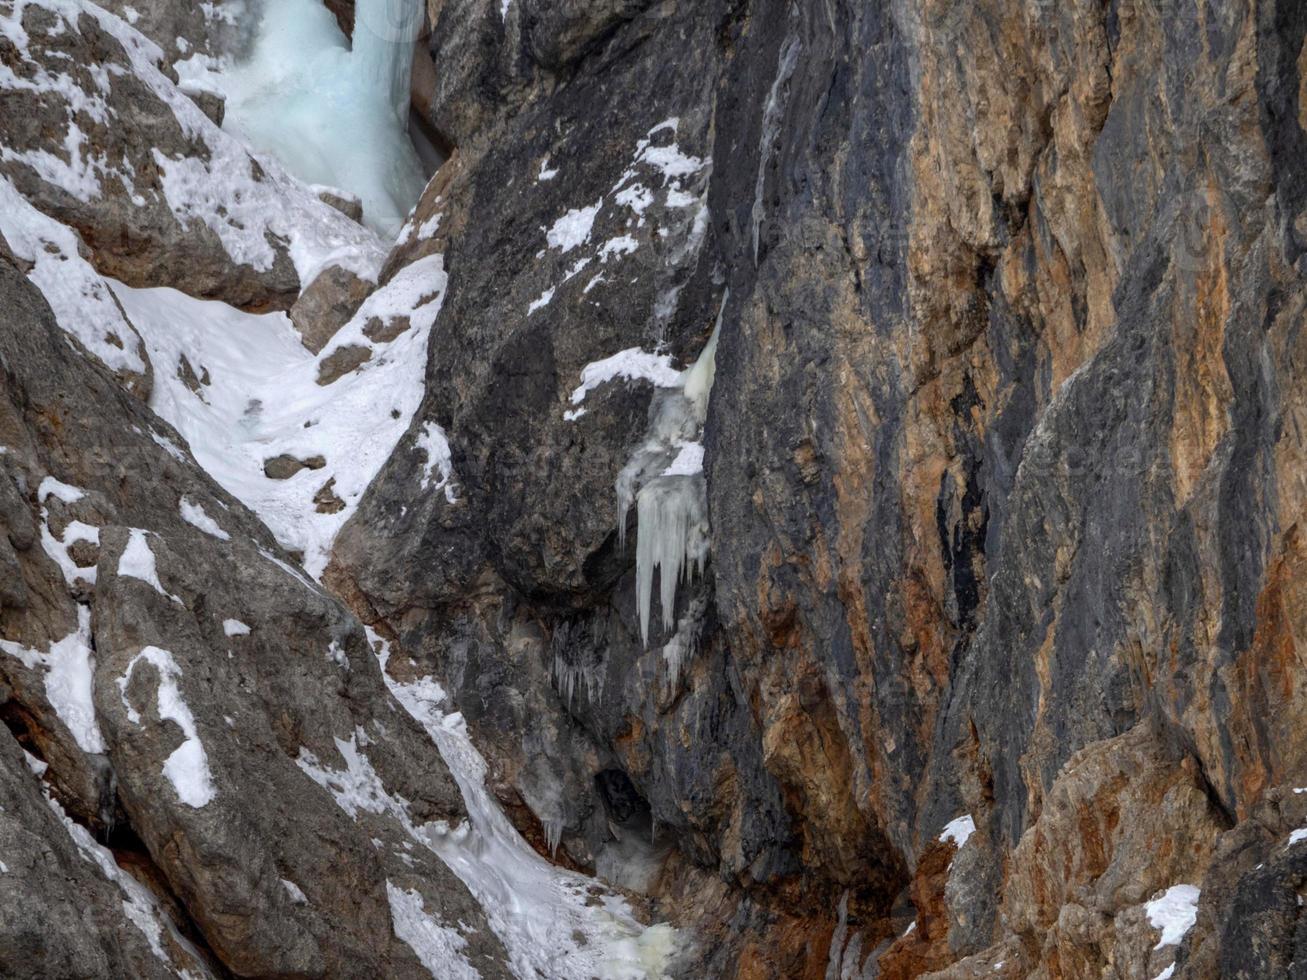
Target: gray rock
(301, 684)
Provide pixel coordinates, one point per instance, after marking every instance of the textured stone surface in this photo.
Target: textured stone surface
(134, 166)
(302, 680)
(1005, 471)
(1002, 457)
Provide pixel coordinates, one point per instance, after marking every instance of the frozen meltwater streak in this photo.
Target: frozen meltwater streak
(332, 115)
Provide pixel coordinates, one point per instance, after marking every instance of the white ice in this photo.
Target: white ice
(664, 479)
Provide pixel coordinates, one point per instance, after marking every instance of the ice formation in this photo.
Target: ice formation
(664, 479)
(331, 115)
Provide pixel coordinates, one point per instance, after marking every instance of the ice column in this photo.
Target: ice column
(385, 32)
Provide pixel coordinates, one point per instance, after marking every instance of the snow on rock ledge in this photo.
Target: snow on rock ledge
(263, 399)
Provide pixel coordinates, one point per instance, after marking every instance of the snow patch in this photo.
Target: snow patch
(440, 461)
(138, 903)
(438, 947)
(540, 301)
(137, 561)
(69, 680)
(234, 627)
(194, 515)
(1174, 912)
(80, 299)
(187, 768)
(537, 909)
(632, 364)
(50, 487)
(573, 229)
(622, 245)
(958, 830)
(263, 399)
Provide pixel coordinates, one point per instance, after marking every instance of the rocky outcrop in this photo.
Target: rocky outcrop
(97, 134)
(192, 700)
(1001, 462)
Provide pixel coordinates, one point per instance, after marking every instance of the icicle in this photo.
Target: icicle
(673, 532)
(682, 647)
(568, 678)
(553, 828)
(697, 381)
(385, 32)
(664, 479)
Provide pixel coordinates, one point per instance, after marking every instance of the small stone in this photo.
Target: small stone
(342, 361)
(350, 207)
(84, 553)
(326, 500)
(189, 378)
(7, 255)
(327, 305)
(384, 331)
(285, 466)
(212, 104)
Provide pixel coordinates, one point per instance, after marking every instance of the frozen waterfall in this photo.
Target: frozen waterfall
(334, 115)
(385, 32)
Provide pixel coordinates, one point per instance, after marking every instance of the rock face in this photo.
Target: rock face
(962, 341)
(1001, 459)
(149, 680)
